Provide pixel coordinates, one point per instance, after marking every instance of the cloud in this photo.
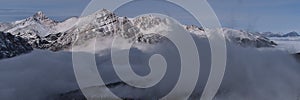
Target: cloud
(251, 73)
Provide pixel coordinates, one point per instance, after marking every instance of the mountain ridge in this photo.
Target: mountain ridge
(42, 32)
(289, 34)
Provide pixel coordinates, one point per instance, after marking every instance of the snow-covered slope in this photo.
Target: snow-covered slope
(4, 26)
(39, 24)
(247, 39)
(66, 25)
(11, 45)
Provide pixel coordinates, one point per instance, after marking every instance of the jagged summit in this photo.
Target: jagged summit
(102, 12)
(40, 15)
(43, 19)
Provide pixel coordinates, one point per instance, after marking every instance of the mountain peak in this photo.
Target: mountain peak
(291, 34)
(40, 15)
(103, 12)
(43, 19)
(294, 32)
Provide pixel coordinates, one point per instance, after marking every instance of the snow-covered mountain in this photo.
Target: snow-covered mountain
(242, 38)
(41, 32)
(11, 45)
(39, 24)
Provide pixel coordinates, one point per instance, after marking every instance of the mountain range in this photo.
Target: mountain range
(290, 34)
(41, 32)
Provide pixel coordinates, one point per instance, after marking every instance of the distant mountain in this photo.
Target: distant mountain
(270, 34)
(11, 45)
(291, 34)
(248, 39)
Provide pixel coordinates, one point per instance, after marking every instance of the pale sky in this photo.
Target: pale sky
(251, 15)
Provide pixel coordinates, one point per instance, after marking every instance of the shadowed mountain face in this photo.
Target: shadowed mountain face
(11, 45)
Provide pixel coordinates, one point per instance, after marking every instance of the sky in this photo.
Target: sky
(251, 15)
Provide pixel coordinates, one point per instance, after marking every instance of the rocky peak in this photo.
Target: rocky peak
(147, 22)
(40, 15)
(194, 28)
(43, 19)
(103, 13)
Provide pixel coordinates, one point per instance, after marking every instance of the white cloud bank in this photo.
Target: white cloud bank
(251, 74)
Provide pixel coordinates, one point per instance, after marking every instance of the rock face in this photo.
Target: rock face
(106, 24)
(11, 45)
